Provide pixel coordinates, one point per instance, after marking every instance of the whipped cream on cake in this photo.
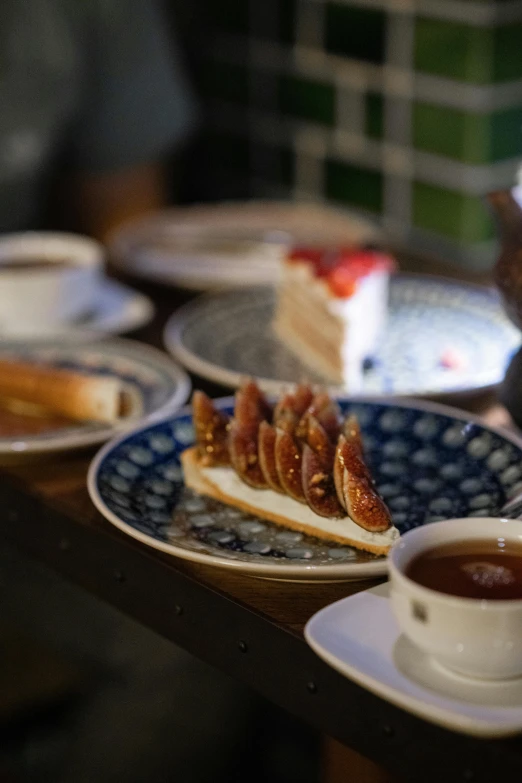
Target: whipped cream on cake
(331, 309)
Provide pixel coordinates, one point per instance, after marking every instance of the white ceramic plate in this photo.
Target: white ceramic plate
(429, 462)
(359, 637)
(118, 309)
(162, 385)
(227, 336)
(228, 245)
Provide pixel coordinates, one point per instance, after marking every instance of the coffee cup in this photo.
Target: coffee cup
(47, 280)
(479, 636)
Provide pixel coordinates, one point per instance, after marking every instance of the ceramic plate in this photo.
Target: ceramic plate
(230, 244)
(163, 386)
(359, 637)
(430, 462)
(118, 309)
(226, 336)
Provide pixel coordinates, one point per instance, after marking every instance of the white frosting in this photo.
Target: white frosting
(229, 482)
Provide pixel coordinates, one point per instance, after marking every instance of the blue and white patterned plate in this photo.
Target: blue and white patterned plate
(162, 385)
(226, 336)
(430, 462)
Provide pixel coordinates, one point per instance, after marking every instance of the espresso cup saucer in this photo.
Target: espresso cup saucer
(360, 638)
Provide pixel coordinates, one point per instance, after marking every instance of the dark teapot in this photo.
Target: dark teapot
(508, 279)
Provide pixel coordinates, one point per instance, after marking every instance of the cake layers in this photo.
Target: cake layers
(333, 321)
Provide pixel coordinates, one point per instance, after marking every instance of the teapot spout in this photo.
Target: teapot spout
(508, 268)
(507, 209)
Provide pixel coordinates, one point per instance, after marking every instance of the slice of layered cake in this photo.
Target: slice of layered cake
(331, 309)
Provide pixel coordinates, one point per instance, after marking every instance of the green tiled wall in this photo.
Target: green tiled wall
(321, 66)
(454, 215)
(230, 150)
(354, 185)
(307, 100)
(374, 124)
(227, 81)
(356, 32)
(230, 15)
(469, 137)
(287, 20)
(480, 55)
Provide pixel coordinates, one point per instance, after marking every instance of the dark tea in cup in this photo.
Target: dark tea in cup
(489, 568)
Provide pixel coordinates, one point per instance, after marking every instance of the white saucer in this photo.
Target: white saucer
(359, 637)
(119, 309)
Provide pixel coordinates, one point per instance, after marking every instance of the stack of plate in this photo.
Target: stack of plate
(228, 245)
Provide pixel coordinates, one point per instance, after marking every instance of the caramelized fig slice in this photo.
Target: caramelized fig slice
(266, 451)
(338, 470)
(327, 413)
(286, 416)
(352, 432)
(244, 456)
(251, 407)
(364, 505)
(303, 398)
(211, 427)
(329, 416)
(348, 456)
(288, 463)
(319, 486)
(320, 443)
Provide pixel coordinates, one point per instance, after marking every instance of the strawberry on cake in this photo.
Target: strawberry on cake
(331, 309)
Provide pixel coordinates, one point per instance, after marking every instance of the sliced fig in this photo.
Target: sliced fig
(352, 433)
(329, 416)
(364, 505)
(320, 443)
(286, 417)
(211, 427)
(251, 407)
(338, 470)
(353, 460)
(244, 456)
(266, 452)
(318, 484)
(327, 413)
(348, 457)
(288, 463)
(303, 398)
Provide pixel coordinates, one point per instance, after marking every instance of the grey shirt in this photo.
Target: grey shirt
(95, 83)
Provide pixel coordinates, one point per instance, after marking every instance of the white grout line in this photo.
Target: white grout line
(319, 65)
(350, 110)
(310, 25)
(350, 148)
(479, 14)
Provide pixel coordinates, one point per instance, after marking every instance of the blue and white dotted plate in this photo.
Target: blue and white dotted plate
(162, 385)
(430, 462)
(442, 337)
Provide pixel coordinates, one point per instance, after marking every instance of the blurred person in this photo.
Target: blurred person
(93, 102)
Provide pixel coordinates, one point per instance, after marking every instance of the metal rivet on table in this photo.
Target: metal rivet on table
(311, 687)
(468, 774)
(243, 646)
(119, 576)
(388, 731)
(178, 609)
(64, 544)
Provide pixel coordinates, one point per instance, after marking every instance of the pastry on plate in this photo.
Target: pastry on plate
(297, 463)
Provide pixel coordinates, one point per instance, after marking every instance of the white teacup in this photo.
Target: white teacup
(59, 287)
(473, 637)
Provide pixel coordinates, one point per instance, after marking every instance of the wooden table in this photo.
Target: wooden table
(249, 628)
